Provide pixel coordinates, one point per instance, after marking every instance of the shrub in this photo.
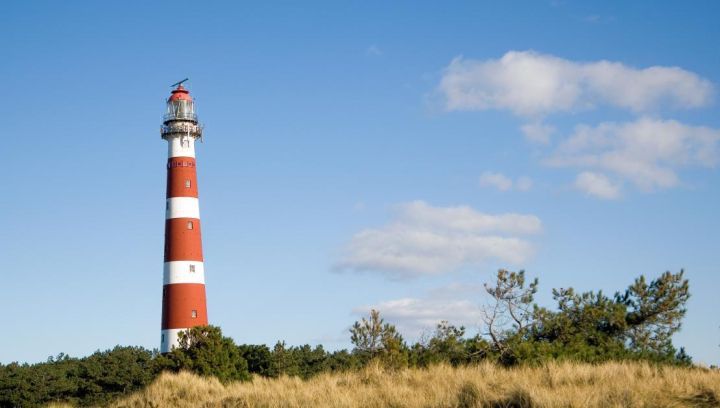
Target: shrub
(205, 351)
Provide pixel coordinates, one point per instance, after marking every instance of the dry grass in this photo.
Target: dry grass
(486, 385)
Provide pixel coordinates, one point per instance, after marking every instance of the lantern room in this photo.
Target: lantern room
(180, 105)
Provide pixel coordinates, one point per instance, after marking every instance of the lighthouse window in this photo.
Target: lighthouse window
(162, 338)
(190, 225)
(194, 314)
(187, 183)
(192, 268)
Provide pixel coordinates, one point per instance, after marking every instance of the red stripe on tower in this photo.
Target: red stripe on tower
(184, 304)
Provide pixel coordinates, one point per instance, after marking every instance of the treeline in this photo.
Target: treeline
(636, 324)
(92, 380)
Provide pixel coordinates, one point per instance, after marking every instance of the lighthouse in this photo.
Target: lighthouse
(183, 300)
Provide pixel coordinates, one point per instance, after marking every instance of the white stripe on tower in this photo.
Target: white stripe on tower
(169, 338)
(182, 207)
(183, 272)
(181, 146)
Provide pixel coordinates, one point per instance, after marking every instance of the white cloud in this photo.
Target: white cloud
(427, 240)
(416, 316)
(497, 180)
(504, 183)
(466, 219)
(537, 132)
(457, 289)
(646, 152)
(533, 84)
(597, 185)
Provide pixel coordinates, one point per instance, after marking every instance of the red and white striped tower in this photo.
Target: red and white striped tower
(184, 276)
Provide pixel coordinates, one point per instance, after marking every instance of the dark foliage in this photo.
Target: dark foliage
(258, 358)
(92, 380)
(205, 351)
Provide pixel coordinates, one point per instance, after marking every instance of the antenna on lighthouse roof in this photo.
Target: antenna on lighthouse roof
(179, 83)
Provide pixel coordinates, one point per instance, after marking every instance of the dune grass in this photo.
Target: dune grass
(553, 385)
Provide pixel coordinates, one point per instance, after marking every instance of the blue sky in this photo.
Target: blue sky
(356, 154)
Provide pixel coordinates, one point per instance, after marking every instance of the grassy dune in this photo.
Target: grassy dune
(552, 385)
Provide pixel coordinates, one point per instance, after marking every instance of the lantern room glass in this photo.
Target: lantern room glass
(180, 109)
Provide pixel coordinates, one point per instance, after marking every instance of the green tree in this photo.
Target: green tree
(93, 380)
(258, 357)
(588, 326)
(342, 360)
(303, 361)
(109, 374)
(447, 344)
(510, 314)
(283, 361)
(311, 361)
(373, 338)
(205, 351)
(655, 312)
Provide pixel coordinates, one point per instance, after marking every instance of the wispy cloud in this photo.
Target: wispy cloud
(415, 316)
(504, 183)
(496, 180)
(597, 185)
(597, 19)
(537, 132)
(427, 240)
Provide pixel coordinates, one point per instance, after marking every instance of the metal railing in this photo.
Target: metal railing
(194, 130)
